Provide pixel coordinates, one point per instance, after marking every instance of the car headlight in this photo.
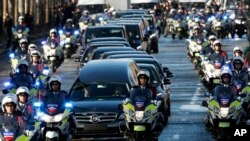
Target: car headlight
(139, 115)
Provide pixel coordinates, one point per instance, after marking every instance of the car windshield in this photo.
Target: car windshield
(133, 32)
(103, 32)
(99, 90)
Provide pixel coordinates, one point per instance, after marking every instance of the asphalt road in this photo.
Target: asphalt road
(187, 121)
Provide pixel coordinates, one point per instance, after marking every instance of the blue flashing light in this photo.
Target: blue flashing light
(68, 105)
(11, 55)
(37, 104)
(60, 31)
(43, 42)
(6, 84)
(76, 32)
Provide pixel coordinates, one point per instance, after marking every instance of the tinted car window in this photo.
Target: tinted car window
(133, 31)
(100, 90)
(104, 32)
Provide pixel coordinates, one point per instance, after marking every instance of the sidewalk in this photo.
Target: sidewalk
(39, 32)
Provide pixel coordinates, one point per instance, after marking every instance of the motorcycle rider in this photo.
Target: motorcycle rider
(69, 27)
(237, 51)
(22, 51)
(85, 16)
(22, 77)
(208, 50)
(11, 116)
(143, 90)
(202, 16)
(197, 33)
(239, 74)
(218, 54)
(36, 63)
(31, 48)
(53, 36)
(23, 105)
(194, 14)
(225, 86)
(180, 15)
(55, 95)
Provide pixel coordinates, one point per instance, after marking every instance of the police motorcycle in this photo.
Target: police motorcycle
(180, 29)
(53, 54)
(69, 41)
(8, 132)
(224, 115)
(218, 28)
(141, 120)
(193, 50)
(55, 118)
(209, 25)
(240, 26)
(13, 63)
(18, 33)
(211, 72)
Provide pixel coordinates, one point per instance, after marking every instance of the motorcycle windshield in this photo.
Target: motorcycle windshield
(224, 98)
(8, 132)
(140, 103)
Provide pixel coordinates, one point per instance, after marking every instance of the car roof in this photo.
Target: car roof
(122, 52)
(99, 51)
(130, 56)
(114, 70)
(110, 43)
(105, 26)
(108, 39)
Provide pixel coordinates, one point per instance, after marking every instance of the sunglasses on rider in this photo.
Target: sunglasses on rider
(9, 105)
(54, 84)
(22, 94)
(143, 77)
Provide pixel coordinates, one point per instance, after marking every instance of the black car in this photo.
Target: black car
(106, 43)
(107, 54)
(130, 56)
(96, 93)
(107, 39)
(99, 51)
(103, 31)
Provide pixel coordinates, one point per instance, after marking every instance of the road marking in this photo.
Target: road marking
(195, 96)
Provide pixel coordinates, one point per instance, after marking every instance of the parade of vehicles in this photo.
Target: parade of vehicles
(108, 67)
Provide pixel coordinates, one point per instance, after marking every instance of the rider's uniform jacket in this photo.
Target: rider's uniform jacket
(240, 75)
(141, 92)
(26, 80)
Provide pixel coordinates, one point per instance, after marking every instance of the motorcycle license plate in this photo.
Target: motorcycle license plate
(218, 28)
(216, 81)
(67, 46)
(224, 124)
(52, 58)
(179, 29)
(196, 54)
(139, 128)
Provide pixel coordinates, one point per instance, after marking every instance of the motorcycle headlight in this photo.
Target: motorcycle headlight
(11, 55)
(59, 117)
(243, 22)
(60, 32)
(139, 115)
(237, 21)
(223, 112)
(47, 118)
(225, 17)
(101, 19)
(76, 32)
(7, 84)
(232, 16)
(46, 72)
(68, 105)
(37, 104)
(43, 42)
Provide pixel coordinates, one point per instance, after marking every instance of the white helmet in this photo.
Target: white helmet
(180, 11)
(9, 98)
(151, 11)
(69, 20)
(111, 9)
(23, 62)
(143, 72)
(105, 10)
(52, 31)
(23, 40)
(226, 72)
(196, 27)
(197, 20)
(172, 11)
(20, 18)
(212, 37)
(237, 49)
(22, 89)
(55, 79)
(32, 47)
(193, 9)
(238, 58)
(85, 12)
(217, 42)
(35, 53)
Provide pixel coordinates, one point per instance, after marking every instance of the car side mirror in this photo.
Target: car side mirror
(120, 107)
(76, 57)
(204, 103)
(166, 81)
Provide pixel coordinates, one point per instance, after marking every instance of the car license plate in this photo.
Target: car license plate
(224, 124)
(216, 81)
(95, 127)
(139, 128)
(196, 54)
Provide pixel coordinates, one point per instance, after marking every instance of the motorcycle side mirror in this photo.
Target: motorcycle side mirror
(204, 103)
(166, 81)
(207, 94)
(76, 57)
(170, 74)
(165, 69)
(243, 95)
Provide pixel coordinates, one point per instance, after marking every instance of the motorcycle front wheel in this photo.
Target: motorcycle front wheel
(53, 66)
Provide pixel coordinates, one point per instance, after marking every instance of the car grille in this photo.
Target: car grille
(88, 118)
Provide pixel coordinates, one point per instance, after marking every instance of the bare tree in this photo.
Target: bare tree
(31, 7)
(46, 11)
(38, 12)
(16, 10)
